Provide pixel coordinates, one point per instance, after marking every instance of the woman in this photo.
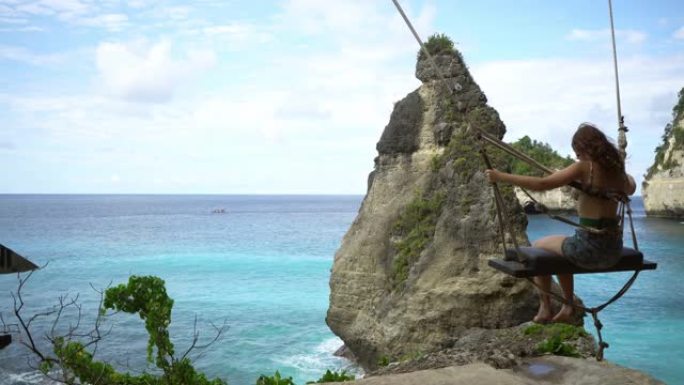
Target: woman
(599, 168)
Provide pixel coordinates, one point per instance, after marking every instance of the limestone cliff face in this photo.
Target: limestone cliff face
(412, 270)
(560, 199)
(663, 186)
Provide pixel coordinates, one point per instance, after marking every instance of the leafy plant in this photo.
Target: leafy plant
(556, 346)
(383, 361)
(565, 331)
(274, 380)
(143, 295)
(333, 376)
(558, 335)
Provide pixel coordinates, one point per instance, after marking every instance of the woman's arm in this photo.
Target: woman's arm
(559, 178)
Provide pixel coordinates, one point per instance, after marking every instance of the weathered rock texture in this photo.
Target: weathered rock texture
(412, 270)
(547, 370)
(556, 200)
(500, 348)
(663, 187)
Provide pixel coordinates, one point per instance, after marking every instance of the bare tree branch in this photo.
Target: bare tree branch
(18, 306)
(195, 337)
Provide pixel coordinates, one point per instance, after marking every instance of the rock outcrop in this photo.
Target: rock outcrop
(412, 272)
(663, 186)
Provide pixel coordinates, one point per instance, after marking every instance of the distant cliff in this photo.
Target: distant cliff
(411, 273)
(560, 199)
(663, 186)
(556, 200)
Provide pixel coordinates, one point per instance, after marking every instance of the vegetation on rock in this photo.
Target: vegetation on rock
(557, 340)
(671, 129)
(438, 44)
(415, 226)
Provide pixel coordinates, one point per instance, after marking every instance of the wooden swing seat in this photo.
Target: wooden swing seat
(542, 262)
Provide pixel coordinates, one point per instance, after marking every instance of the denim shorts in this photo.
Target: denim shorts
(593, 251)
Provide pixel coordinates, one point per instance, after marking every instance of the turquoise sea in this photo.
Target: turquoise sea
(262, 267)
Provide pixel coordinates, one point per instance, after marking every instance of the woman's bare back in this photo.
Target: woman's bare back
(597, 179)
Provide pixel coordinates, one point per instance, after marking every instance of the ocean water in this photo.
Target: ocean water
(262, 268)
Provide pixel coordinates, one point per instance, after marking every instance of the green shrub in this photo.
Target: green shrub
(383, 361)
(435, 163)
(146, 296)
(565, 331)
(556, 346)
(274, 380)
(557, 334)
(437, 44)
(332, 376)
(541, 152)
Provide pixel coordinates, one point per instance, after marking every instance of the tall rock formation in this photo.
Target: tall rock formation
(412, 272)
(663, 186)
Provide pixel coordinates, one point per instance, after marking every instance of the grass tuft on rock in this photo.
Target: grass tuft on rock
(438, 44)
(416, 227)
(557, 340)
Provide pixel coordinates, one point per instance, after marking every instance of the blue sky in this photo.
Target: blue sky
(267, 97)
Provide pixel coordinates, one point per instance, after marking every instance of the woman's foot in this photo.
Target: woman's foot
(564, 315)
(543, 316)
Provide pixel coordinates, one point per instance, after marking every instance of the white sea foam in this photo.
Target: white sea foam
(311, 366)
(32, 377)
(330, 345)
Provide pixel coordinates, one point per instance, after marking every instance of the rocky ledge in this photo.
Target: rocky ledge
(546, 370)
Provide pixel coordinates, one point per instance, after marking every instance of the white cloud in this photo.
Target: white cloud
(547, 98)
(175, 13)
(24, 55)
(679, 34)
(72, 12)
(10, 20)
(603, 35)
(113, 22)
(142, 72)
(22, 29)
(323, 107)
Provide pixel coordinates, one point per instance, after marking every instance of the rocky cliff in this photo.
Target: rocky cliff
(411, 273)
(663, 186)
(557, 200)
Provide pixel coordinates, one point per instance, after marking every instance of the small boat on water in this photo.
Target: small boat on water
(219, 211)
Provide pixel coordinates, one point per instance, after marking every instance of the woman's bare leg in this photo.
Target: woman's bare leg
(544, 313)
(553, 244)
(567, 284)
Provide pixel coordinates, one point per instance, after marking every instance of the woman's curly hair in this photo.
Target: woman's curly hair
(590, 141)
